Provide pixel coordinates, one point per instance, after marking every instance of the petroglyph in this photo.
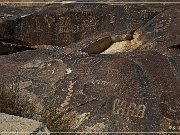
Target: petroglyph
(65, 25)
(145, 14)
(68, 71)
(52, 24)
(38, 25)
(111, 71)
(105, 83)
(50, 20)
(124, 108)
(85, 70)
(161, 25)
(61, 83)
(69, 94)
(89, 23)
(112, 18)
(53, 71)
(86, 61)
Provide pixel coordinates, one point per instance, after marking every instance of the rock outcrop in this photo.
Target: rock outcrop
(94, 28)
(128, 92)
(93, 67)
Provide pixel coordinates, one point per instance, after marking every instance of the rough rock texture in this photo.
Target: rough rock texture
(64, 24)
(162, 31)
(106, 68)
(10, 124)
(126, 92)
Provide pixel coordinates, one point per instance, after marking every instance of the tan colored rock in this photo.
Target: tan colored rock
(10, 124)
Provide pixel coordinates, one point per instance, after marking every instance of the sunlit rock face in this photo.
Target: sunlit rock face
(14, 124)
(92, 67)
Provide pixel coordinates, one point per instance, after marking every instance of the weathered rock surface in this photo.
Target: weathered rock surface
(126, 92)
(161, 32)
(89, 82)
(73, 28)
(10, 124)
(93, 28)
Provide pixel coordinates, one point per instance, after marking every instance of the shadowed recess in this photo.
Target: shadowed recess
(113, 44)
(174, 47)
(6, 49)
(99, 46)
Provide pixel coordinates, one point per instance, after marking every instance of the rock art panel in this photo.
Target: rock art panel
(108, 93)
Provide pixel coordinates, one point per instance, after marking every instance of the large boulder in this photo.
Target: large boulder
(64, 24)
(106, 67)
(94, 28)
(125, 92)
